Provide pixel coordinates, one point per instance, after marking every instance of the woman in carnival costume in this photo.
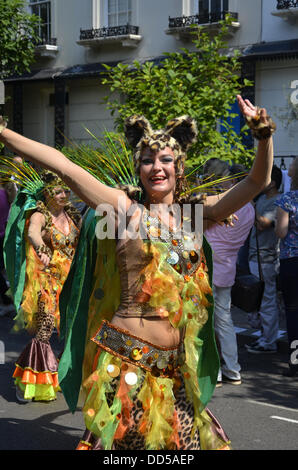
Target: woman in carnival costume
(41, 237)
(149, 356)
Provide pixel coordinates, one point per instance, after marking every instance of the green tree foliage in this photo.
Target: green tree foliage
(18, 37)
(202, 82)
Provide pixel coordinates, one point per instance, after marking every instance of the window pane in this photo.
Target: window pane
(215, 6)
(225, 5)
(119, 12)
(122, 19)
(122, 5)
(44, 31)
(112, 6)
(35, 10)
(44, 14)
(203, 6)
(112, 20)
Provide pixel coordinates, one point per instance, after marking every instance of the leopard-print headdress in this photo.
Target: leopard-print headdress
(179, 134)
(51, 181)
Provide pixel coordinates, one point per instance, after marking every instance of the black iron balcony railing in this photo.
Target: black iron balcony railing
(286, 4)
(46, 41)
(108, 32)
(205, 18)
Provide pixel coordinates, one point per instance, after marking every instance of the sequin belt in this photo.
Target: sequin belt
(160, 361)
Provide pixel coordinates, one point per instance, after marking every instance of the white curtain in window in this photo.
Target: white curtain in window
(119, 12)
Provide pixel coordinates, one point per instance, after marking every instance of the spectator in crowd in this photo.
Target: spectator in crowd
(268, 249)
(286, 178)
(225, 242)
(287, 230)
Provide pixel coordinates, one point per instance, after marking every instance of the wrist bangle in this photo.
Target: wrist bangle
(260, 130)
(43, 249)
(3, 124)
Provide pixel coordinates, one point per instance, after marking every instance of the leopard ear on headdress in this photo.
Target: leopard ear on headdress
(184, 130)
(47, 176)
(135, 128)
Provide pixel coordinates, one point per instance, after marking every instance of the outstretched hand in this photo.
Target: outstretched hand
(250, 111)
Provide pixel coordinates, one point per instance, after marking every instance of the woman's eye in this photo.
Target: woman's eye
(167, 160)
(147, 161)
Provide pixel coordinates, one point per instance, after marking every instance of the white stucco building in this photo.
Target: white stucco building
(63, 92)
(276, 64)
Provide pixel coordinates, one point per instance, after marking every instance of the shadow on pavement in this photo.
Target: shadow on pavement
(40, 433)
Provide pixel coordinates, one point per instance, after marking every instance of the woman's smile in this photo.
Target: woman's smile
(157, 179)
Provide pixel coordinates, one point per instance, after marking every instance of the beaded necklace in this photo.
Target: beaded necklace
(184, 250)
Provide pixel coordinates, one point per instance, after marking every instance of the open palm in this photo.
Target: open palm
(246, 107)
(250, 111)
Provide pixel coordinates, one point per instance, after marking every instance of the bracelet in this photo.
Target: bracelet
(43, 249)
(3, 124)
(260, 130)
(228, 220)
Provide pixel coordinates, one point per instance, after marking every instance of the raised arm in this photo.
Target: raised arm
(221, 206)
(88, 188)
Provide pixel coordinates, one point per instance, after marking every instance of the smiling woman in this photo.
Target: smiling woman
(149, 357)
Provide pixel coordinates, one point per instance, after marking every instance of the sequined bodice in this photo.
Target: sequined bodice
(63, 243)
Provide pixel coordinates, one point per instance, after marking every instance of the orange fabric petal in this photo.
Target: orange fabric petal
(125, 420)
(28, 376)
(83, 446)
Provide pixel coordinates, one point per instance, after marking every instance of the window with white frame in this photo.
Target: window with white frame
(119, 12)
(213, 7)
(42, 8)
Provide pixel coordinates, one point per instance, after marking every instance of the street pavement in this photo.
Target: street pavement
(260, 414)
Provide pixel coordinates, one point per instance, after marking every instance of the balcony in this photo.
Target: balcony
(181, 26)
(47, 47)
(287, 10)
(126, 36)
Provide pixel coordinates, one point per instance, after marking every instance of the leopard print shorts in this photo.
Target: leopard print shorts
(134, 440)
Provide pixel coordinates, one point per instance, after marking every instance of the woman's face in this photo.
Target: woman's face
(158, 173)
(59, 196)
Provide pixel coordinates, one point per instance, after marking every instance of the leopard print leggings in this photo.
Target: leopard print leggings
(45, 323)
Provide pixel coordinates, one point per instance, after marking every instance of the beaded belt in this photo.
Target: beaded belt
(158, 360)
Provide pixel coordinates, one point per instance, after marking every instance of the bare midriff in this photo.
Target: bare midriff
(155, 330)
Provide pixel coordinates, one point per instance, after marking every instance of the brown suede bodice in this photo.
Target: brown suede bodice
(133, 258)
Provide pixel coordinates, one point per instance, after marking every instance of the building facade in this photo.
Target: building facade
(275, 60)
(63, 93)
